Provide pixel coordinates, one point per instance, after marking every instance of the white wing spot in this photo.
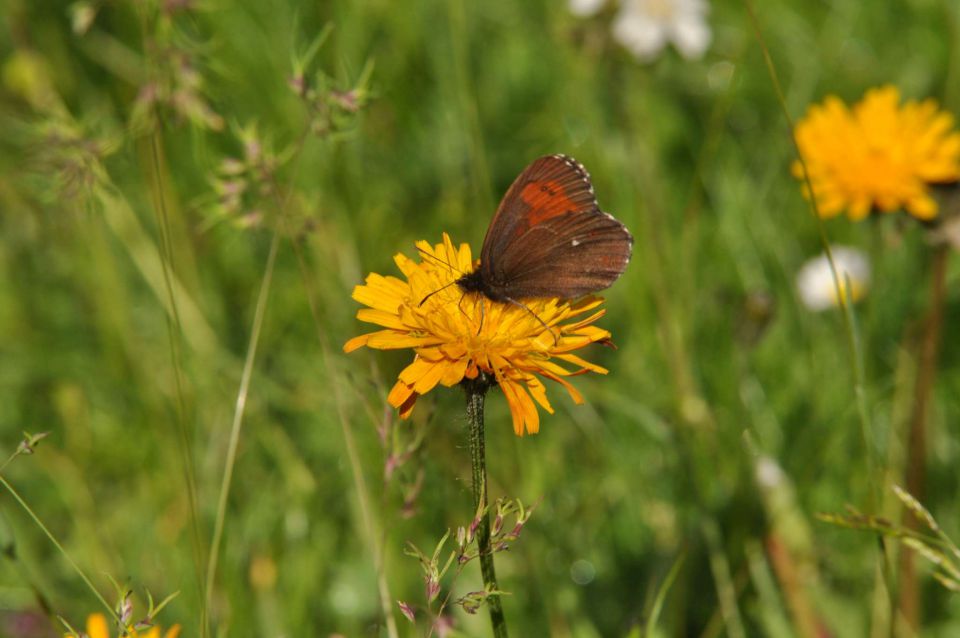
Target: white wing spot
(577, 166)
(575, 242)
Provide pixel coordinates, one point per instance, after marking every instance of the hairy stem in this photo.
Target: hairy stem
(476, 390)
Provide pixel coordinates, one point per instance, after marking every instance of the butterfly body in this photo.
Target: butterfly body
(549, 238)
(474, 282)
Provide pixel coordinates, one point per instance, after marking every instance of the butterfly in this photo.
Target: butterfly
(549, 238)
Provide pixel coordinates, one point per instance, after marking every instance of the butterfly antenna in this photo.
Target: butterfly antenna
(427, 255)
(556, 341)
(436, 291)
(449, 266)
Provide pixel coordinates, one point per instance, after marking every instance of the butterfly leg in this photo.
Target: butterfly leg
(483, 307)
(460, 308)
(556, 341)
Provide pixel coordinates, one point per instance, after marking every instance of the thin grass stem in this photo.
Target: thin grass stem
(720, 569)
(917, 436)
(853, 343)
(238, 415)
(692, 411)
(843, 293)
(460, 35)
(174, 333)
(375, 537)
(56, 543)
(370, 525)
(661, 596)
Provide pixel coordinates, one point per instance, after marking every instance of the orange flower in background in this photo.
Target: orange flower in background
(458, 335)
(877, 155)
(98, 627)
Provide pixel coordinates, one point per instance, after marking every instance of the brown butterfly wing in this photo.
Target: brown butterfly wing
(549, 238)
(569, 256)
(551, 186)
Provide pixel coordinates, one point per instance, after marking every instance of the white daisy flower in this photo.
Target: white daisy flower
(815, 281)
(645, 27)
(586, 7)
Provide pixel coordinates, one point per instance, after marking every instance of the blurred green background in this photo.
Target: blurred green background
(138, 134)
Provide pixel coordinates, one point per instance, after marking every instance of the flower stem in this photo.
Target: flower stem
(917, 437)
(476, 390)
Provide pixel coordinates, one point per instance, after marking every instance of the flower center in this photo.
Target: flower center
(856, 292)
(662, 10)
(882, 170)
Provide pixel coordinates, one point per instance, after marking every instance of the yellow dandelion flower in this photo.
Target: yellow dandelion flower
(878, 155)
(99, 627)
(457, 335)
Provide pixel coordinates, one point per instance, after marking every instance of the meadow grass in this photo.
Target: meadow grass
(181, 341)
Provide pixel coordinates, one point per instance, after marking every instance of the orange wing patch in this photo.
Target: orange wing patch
(546, 199)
